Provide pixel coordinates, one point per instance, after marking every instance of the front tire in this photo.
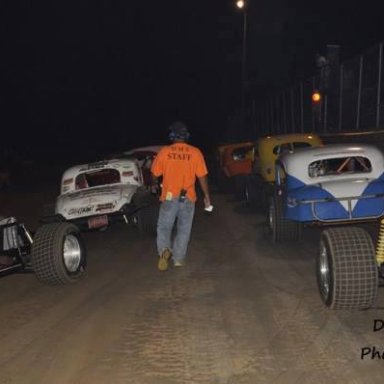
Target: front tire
(58, 254)
(346, 269)
(282, 229)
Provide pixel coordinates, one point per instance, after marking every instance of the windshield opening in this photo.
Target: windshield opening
(339, 166)
(97, 178)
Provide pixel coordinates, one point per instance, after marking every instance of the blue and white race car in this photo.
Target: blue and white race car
(335, 184)
(326, 185)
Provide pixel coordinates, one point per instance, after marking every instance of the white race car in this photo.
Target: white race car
(96, 194)
(144, 156)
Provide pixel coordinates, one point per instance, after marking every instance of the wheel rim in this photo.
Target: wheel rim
(72, 253)
(324, 272)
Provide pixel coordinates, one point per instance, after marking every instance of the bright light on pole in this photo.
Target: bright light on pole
(316, 97)
(240, 4)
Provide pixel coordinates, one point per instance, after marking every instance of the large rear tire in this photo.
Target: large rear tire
(346, 269)
(58, 254)
(282, 229)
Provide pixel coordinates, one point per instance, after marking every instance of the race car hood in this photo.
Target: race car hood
(94, 201)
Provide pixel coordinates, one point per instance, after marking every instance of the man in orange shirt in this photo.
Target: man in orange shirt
(178, 164)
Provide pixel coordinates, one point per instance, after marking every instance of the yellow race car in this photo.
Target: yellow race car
(259, 183)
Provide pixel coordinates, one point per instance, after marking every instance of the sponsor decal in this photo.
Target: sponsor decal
(80, 211)
(99, 164)
(101, 207)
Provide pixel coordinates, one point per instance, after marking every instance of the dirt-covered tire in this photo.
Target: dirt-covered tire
(147, 219)
(346, 269)
(281, 228)
(58, 254)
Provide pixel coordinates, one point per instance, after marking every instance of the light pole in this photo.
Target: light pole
(242, 5)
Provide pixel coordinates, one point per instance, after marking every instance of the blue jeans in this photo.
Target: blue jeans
(170, 212)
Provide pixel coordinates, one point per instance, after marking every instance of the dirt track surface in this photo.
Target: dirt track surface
(242, 311)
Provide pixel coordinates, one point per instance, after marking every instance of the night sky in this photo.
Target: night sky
(99, 76)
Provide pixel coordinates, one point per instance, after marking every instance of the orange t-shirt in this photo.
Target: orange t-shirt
(179, 164)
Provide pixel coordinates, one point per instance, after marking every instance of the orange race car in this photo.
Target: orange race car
(234, 162)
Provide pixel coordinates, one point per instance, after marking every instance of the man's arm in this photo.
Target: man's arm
(155, 184)
(156, 173)
(203, 181)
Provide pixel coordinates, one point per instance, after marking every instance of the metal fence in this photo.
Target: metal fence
(352, 100)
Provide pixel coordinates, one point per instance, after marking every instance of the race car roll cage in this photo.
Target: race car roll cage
(15, 243)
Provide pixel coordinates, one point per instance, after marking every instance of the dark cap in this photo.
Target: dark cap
(178, 131)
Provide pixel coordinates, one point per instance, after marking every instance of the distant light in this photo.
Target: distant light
(240, 4)
(316, 97)
(310, 137)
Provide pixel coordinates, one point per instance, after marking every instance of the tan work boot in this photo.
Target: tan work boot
(164, 259)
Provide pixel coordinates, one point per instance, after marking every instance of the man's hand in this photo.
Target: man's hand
(155, 189)
(204, 187)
